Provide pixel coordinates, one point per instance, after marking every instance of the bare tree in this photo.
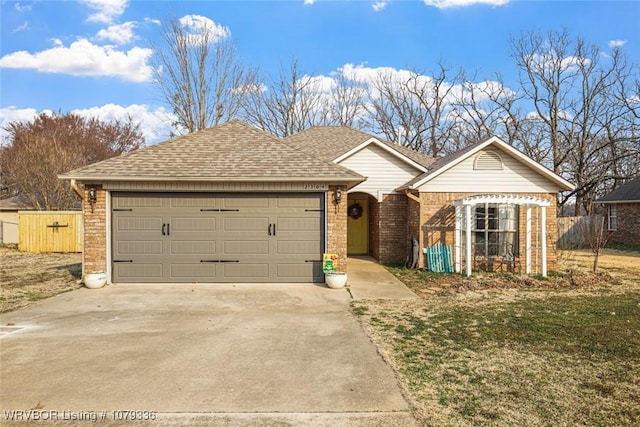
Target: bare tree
(345, 105)
(288, 103)
(579, 94)
(412, 109)
(594, 235)
(199, 73)
(34, 153)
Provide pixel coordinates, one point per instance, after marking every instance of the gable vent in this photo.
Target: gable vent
(488, 160)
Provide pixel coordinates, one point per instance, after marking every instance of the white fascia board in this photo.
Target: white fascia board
(385, 147)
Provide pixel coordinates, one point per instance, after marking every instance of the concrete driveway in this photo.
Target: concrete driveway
(277, 354)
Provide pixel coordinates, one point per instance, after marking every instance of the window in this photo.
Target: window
(495, 229)
(613, 217)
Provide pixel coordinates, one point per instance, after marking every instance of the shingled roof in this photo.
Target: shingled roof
(331, 142)
(233, 151)
(626, 193)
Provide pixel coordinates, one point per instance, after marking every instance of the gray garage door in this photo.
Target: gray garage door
(210, 238)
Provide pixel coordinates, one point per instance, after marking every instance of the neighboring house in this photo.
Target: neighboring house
(622, 211)
(234, 204)
(9, 224)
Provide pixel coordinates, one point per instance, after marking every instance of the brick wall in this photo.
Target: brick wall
(337, 226)
(628, 231)
(94, 256)
(392, 228)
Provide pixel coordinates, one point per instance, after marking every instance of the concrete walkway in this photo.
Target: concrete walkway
(230, 355)
(369, 280)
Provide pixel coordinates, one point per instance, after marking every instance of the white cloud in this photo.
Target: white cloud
(82, 58)
(22, 8)
(106, 10)
(196, 25)
(120, 33)
(21, 27)
(379, 5)
(155, 122)
(617, 43)
(445, 4)
(152, 21)
(309, 2)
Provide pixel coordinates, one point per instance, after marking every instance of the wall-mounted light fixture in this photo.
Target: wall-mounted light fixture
(93, 197)
(337, 196)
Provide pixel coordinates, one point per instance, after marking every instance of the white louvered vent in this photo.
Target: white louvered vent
(488, 160)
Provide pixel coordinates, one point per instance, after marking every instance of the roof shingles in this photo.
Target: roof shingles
(628, 192)
(233, 150)
(331, 142)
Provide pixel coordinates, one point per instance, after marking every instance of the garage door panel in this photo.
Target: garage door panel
(247, 247)
(295, 201)
(139, 224)
(135, 272)
(298, 224)
(200, 271)
(246, 201)
(290, 272)
(137, 247)
(182, 201)
(246, 271)
(191, 247)
(135, 201)
(196, 224)
(297, 247)
(245, 225)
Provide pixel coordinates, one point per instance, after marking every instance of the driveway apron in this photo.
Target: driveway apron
(242, 354)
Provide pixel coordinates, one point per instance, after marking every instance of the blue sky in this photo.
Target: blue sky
(94, 56)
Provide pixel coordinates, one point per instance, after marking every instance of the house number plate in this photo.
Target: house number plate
(315, 187)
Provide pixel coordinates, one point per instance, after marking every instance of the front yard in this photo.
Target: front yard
(504, 350)
(28, 277)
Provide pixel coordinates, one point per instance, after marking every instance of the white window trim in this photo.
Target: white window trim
(612, 218)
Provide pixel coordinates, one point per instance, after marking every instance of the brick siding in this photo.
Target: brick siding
(628, 230)
(337, 226)
(393, 243)
(94, 256)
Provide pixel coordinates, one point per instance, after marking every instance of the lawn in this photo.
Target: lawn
(506, 350)
(29, 277)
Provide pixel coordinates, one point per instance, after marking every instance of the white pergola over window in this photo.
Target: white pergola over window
(493, 221)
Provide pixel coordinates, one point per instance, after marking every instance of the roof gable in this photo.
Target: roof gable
(233, 151)
(626, 193)
(443, 164)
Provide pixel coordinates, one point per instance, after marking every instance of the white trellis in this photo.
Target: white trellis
(464, 214)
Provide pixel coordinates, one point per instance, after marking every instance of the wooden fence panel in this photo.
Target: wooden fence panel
(50, 231)
(571, 231)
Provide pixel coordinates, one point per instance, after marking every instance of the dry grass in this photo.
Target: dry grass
(29, 277)
(508, 350)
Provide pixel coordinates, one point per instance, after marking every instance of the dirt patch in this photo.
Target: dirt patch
(575, 271)
(29, 277)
